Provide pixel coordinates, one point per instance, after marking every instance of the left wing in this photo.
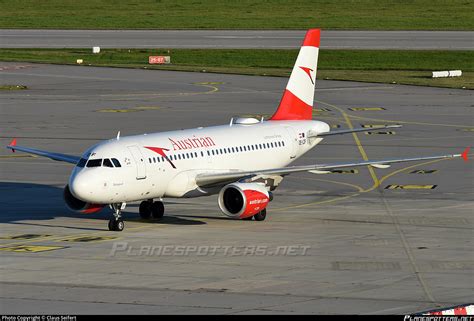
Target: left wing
(209, 179)
(55, 156)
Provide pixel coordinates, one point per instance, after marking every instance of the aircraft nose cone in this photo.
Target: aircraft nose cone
(79, 186)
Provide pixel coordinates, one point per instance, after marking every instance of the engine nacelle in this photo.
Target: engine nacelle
(80, 206)
(241, 200)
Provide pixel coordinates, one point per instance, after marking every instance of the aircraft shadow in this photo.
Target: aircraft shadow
(20, 202)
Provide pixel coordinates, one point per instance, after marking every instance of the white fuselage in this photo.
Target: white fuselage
(145, 173)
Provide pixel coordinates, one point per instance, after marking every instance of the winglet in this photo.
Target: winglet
(12, 144)
(464, 154)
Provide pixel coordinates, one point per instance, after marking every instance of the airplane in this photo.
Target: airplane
(243, 161)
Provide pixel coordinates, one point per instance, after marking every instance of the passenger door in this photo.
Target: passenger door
(139, 161)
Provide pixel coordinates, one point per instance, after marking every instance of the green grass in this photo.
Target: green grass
(242, 14)
(12, 87)
(388, 66)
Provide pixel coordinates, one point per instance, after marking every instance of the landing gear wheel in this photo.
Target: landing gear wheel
(116, 225)
(145, 209)
(260, 216)
(157, 209)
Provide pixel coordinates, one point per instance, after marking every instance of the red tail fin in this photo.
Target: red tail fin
(297, 100)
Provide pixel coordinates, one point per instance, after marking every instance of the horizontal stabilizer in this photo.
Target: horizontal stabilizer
(349, 131)
(381, 166)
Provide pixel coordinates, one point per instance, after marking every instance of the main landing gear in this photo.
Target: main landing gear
(260, 216)
(149, 209)
(116, 223)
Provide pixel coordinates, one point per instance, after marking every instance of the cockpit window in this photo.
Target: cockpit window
(116, 162)
(94, 163)
(82, 162)
(107, 163)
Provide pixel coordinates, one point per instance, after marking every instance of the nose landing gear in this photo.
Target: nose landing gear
(116, 223)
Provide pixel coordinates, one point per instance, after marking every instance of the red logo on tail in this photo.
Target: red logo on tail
(308, 72)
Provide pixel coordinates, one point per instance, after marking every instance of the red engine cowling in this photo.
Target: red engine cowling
(241, 200)
(78, 205)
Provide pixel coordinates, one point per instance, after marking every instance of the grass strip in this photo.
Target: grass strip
(242, 14)
(386, 66)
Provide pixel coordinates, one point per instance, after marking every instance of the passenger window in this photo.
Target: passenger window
(107, 163)
(116, 162)
(82, 162)
(94, 162)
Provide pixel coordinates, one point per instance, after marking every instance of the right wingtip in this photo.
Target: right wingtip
(464, 154)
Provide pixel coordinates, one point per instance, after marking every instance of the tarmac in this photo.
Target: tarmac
(266, 39)
(391, 241)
